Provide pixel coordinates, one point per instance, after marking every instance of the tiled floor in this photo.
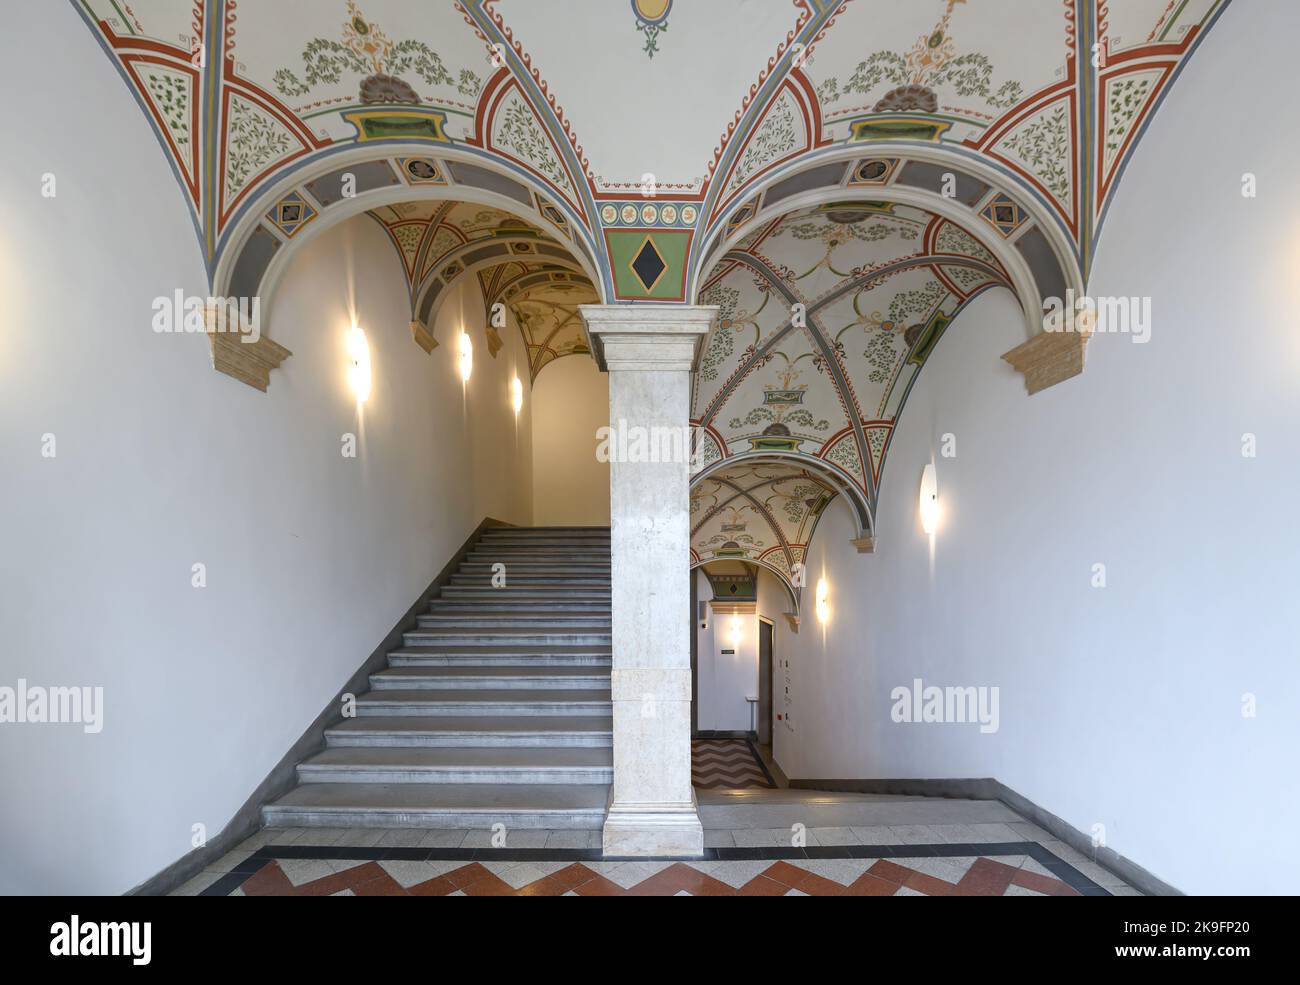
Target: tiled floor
(931, 847)
(727, 764)
(924, 875)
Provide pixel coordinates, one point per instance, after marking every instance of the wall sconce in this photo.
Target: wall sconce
(735, 629)
(823, 601)
(929, 499)
(517, 395)
(359, 370)
(466, 356)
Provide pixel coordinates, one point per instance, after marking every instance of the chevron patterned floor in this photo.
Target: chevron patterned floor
(921, 876)
(727, 764)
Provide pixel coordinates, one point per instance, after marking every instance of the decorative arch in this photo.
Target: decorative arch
(763, 511)
(1013, 224)
(424, 186)
(833, 297)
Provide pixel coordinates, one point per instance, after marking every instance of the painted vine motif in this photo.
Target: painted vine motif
(932, 63)
(1044, 145)
(255, 139)
(367, 51)
(521, 133)
(777, 136)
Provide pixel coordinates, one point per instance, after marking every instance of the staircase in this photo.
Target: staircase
(496, 709)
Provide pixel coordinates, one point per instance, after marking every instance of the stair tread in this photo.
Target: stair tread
(533, 649)
(480, 757)
(521, 696)
(476, 797)
(470, 723)
(452, 632)
(542, 670)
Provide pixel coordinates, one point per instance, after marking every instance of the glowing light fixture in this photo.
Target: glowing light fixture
(466, 356)
(823, 601)
(517, 394)
(735, 629)
(929, 499)
(359, 370)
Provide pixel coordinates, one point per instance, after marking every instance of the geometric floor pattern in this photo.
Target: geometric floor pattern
(1007, 869)
(980, 876)
(727, 764)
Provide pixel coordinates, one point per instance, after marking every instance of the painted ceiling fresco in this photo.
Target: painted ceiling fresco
(827, 315)
(515, 265)
(840, 176)
(625, 124)
(762, 512)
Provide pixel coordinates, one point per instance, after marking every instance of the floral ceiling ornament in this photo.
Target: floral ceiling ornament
(932, 62)
(651, 20)
(366, 50)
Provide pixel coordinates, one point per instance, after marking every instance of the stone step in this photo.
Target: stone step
(462, 764)
(563, 570)
(427, 636)
(527, 604)
(440, 805)
(525, 591)
(470, 730)
(463, 678)
(448, 655)
(520, 579)
(561, 544)
(545, 531)
(547, 556)
(444, 701)
(538, 624)
(541, 534)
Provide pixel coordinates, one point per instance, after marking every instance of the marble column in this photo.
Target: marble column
(649, 352)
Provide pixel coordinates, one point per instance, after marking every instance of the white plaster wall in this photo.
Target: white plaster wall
(570, 400)
(1120, 706)
(724, 680)
(162, 463)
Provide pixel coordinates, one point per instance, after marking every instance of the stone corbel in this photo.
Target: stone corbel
(793, 619)
(865, 545)
(423, 337)
(238, 351)
(1049, 358)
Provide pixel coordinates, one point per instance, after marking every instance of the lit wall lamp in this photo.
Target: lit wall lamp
(823, 601)
(929, 499)
(359, 370)
(517, 395)
(735, 629)
(466, 356)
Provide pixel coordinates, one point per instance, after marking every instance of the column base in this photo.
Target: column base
(643, 829)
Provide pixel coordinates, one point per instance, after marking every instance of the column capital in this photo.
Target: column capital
(663, 337)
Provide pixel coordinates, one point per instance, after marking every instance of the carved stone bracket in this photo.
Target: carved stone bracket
(423, 337)
(248, 362)
(1049, 358)
(865, 545)
(793, 619)
(239, 352)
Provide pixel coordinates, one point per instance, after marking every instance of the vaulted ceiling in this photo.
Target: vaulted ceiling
(514, 264)
(828, 314)
(840, 176)
(763, 512)
(645, 126)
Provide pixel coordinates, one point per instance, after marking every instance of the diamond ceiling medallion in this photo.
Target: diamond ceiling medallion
(648, 265)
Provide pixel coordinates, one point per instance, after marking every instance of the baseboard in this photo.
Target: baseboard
(248, 819)
(725, 734)
(990, 789)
